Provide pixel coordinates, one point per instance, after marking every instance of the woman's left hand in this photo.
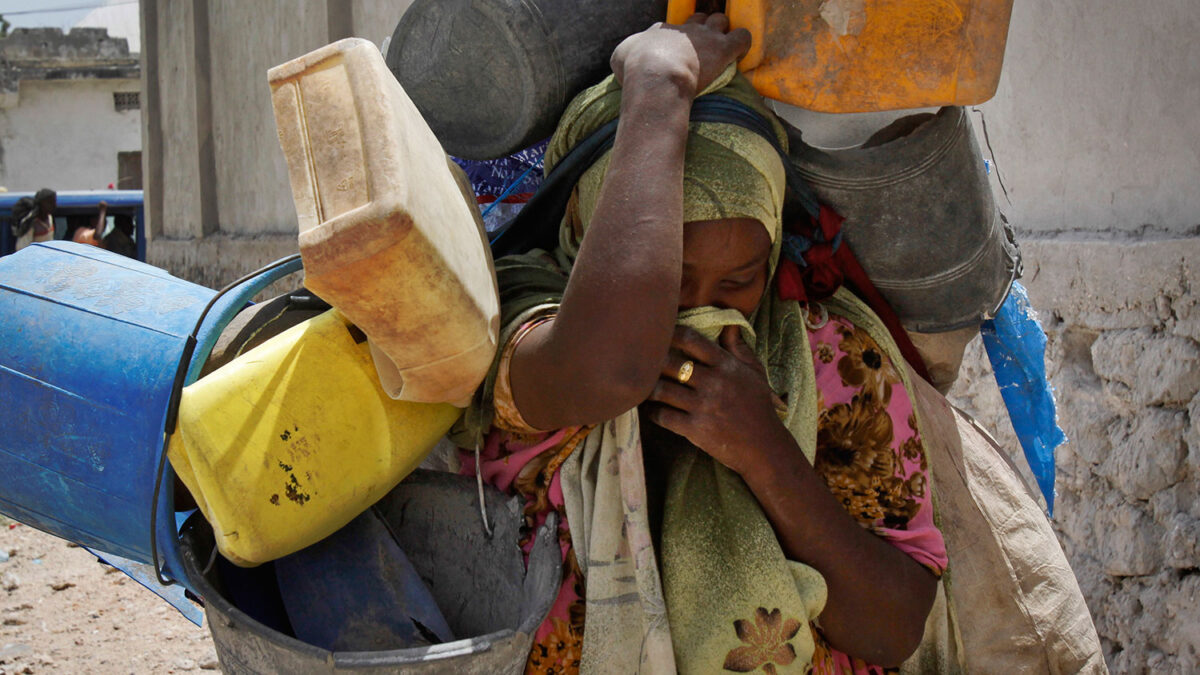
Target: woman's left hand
(726, 407)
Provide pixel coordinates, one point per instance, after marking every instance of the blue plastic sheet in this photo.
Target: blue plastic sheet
(1016, 346)
(517, 175)
(143, 573)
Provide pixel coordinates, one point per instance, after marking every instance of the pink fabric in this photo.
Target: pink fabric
(919, 538)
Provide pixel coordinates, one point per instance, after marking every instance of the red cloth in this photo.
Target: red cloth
(830, 264)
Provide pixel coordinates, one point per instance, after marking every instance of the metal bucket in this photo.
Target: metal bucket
(921, 218)
(493, 76)
(485, 591)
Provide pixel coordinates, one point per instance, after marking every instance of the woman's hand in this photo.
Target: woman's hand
(879, 597)
(726, 408)
(691, 55)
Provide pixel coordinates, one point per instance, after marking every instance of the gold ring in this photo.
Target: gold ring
(685, 372)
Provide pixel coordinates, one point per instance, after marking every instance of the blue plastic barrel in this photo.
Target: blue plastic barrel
(92, 346)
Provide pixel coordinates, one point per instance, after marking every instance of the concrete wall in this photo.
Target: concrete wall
(1095, 134)
(65, 134)
(1093, 127)
(1095, 124)
(214, 169)
(59, 126)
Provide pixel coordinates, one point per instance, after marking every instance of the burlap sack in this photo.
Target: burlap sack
(1009, 602)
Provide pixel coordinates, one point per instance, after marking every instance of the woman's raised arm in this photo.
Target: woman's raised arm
(602, 354)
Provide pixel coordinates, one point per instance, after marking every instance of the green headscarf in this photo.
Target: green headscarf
(729, 171)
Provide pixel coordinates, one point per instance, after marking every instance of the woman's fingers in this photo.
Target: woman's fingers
(671, 393)
(676, 367)
(739, 41)
(731, 340)
(717, 21)
(734, 43)
(671, 419)
(695, 346)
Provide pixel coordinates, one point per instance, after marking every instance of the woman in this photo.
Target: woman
(724, 505)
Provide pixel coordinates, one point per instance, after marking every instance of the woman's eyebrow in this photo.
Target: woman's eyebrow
(753, 263)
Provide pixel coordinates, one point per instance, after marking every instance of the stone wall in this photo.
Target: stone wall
(50, 54)
(1123, 327)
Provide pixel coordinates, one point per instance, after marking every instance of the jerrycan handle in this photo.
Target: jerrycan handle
(678, 11)
(748, 14)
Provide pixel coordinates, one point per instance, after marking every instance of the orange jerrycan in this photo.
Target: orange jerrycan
(843, 56)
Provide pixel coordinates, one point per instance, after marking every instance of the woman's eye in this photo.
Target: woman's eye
(739, 282)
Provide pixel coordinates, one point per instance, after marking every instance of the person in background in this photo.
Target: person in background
(46, 202)
(33, 219)
(120, 239)
(93, 235)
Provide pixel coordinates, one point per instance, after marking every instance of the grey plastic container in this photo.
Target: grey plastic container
(921, 218)
(493, 76)
(479, 582)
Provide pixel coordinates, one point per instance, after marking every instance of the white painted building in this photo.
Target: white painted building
(70, 111)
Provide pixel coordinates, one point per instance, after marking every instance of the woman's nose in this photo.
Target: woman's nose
(692, 295)
(688, 294)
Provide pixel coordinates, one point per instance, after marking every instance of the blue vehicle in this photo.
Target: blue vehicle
(78, 207)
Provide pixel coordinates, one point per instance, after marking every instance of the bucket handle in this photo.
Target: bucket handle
(192, 360)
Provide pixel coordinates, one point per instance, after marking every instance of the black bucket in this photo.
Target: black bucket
(493, 76)
(921, 219)
(479, 581)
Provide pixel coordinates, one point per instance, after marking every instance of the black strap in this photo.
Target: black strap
(172, 417)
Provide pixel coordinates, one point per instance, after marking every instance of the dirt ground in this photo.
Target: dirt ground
(62, 611)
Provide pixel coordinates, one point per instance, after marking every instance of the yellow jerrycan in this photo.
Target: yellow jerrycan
(845, 56)
(387, 235)
(288, 442)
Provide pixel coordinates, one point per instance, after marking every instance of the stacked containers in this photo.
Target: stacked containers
(493, 76)
(288, 442)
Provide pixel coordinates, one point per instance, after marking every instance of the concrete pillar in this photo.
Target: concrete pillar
(213, 166)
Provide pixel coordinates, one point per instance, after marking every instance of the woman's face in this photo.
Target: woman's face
(724, 264)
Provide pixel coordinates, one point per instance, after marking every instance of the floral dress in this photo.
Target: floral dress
(868, 452)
